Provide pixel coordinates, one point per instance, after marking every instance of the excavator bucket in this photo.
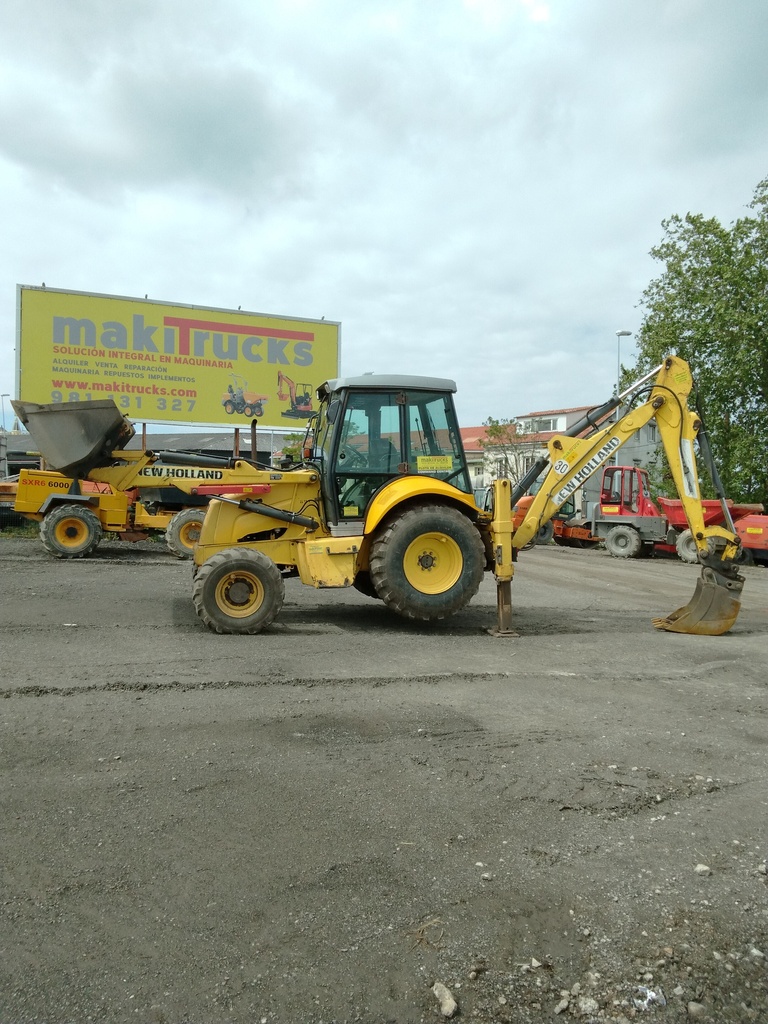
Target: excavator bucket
(712, 610)
(76, 437)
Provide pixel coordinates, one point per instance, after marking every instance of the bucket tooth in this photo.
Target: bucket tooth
(712, 610)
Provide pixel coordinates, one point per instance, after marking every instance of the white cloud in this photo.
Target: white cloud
(472, 188)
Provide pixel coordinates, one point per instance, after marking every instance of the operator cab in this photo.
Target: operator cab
(378, 427)
(625, 491)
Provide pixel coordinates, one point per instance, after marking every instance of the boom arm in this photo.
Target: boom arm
(573, 460)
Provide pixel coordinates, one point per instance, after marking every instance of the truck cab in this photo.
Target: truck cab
(625, 491)
(626, 518)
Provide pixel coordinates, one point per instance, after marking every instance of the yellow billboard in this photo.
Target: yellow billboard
(169, 363)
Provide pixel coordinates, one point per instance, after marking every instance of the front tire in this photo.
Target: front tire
(428, 562)
(183, 532)
(238, 591)
(623, 542)
(70, 531)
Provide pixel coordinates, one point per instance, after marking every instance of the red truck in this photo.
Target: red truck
(631, 524)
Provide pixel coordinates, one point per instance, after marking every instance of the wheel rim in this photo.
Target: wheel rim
(240, 594)
(189, 535)
(71, 532)
(433, 563)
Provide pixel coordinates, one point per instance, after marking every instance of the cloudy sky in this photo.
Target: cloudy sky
(471, 187)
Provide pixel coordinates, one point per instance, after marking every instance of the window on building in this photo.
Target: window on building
(541, 424)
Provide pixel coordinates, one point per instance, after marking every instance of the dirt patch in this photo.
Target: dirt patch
(319, 823)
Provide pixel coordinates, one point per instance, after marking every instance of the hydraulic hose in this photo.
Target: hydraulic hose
(706, 454)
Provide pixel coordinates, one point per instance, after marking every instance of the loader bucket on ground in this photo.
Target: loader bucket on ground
(712, 610)
(75, 437)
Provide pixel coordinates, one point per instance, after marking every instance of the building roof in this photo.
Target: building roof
(554, 412)
(472, 436)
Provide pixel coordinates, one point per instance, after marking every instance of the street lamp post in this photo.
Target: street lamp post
(2, 402)
(619, 336)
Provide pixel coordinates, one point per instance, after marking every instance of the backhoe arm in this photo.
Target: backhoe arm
(572, 461)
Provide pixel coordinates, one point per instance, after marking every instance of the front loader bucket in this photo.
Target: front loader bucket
(75, 437)
(712, 610)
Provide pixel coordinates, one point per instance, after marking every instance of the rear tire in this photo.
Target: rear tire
(183, 532)
(686, 548)
(238, 591)
(623, 542)
(70, 531)
(428, 562)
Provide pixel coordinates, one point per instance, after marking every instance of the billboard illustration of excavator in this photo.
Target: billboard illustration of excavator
(298, 395)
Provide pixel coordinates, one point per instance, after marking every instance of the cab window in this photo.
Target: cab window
(434, 444)
(368, 451)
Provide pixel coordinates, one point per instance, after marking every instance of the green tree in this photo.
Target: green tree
(293, 445)
(509, 449)
(710, 306)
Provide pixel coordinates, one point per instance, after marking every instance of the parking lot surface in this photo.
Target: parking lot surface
(321, 822)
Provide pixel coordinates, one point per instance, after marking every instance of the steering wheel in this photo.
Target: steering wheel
(350, 456)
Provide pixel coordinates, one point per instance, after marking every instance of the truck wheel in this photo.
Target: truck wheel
(428, 562)
(686, 548)
(258, 410)
(623, 542)
(545, 533)
(70, 531)
(248, 411)
(183, 531)
(746, 557)
(238, 591)
(229, 408)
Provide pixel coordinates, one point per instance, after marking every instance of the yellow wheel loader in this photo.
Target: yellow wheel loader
(94, 488)
(383, 502)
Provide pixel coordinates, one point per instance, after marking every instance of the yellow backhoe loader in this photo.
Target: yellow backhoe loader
(383, 502)
(93, 487)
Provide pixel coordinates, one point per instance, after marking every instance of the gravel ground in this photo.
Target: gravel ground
(322, 822)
